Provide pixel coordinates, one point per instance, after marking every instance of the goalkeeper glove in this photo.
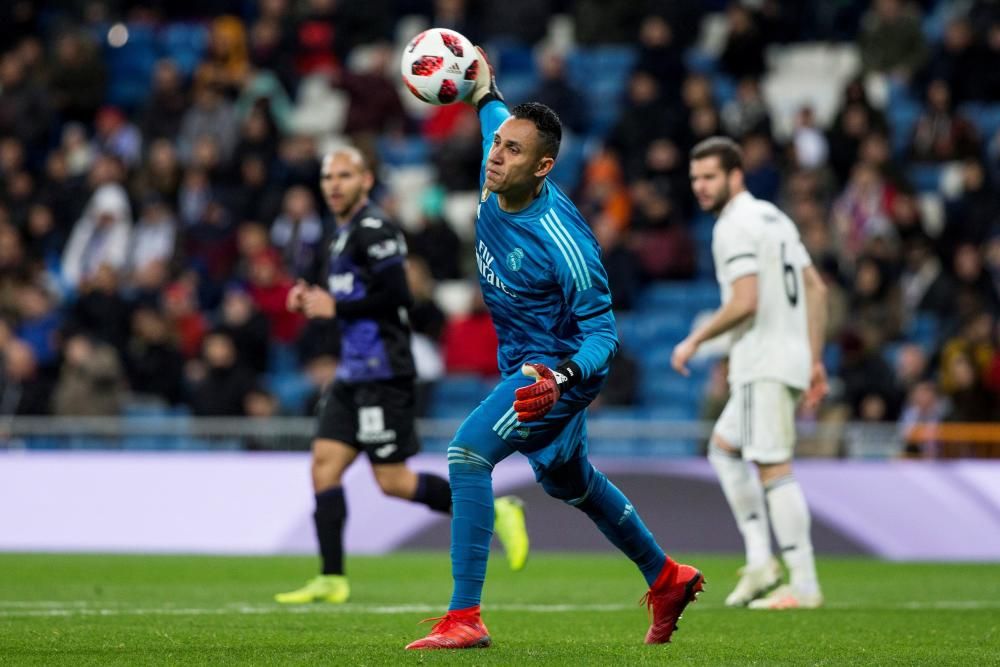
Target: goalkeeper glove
(534, 401)
(485, 90)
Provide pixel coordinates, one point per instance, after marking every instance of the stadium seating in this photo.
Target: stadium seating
(985, 116)
(601, 74)
(185, 44)
(925, 177)
(402, 151)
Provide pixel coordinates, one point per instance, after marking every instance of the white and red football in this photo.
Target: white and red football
(439, 66)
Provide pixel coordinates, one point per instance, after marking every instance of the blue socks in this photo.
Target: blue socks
(579, 484)
(471, 531)
(620, 522)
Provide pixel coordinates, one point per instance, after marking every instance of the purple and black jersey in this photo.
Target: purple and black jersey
(363, 269)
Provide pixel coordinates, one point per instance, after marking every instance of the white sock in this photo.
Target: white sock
(746, 500)
(790, 518)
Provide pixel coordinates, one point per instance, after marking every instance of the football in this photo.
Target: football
(439, 66)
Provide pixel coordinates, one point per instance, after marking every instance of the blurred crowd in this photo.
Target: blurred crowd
(148, 235)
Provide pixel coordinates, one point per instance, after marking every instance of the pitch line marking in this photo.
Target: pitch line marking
(71, 608)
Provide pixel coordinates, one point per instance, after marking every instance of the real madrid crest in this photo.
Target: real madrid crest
(514, 259)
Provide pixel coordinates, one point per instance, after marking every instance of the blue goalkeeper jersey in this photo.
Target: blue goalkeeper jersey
(541, 275)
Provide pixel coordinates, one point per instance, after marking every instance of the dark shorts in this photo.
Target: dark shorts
(374, 417)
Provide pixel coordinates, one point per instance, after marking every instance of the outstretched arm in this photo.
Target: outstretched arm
(488, 101)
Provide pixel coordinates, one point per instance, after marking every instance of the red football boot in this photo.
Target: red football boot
(459, 628)
(666, 599)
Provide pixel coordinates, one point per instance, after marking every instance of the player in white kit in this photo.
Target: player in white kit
(774, 308)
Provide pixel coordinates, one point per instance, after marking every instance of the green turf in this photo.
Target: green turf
(94, 609)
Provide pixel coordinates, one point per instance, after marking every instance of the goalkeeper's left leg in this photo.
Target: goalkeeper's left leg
(583, 486)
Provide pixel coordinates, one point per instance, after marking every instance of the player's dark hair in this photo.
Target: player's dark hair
(546, 121)
(728, 151)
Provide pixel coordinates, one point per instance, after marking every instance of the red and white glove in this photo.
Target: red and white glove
(485, 89)
(534, 401)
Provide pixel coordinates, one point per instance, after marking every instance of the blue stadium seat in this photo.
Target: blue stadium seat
(890, 353)
(610, 412)
(443, 410)
(146, 410)
(601, 73)
(291, 389)
(925, 177)
(667, 413)
(703, 295)
(569, 166)
(626, 328)
(584, 65)
(702, 230)
(831, 358)
(513, 59)
(670, 390)
(723, 89)
(403, 151)
(44, 443)
(130, 66)
(924, 329)
(903, 118)
(282, 359)
(936, 20)
(465, 390)
(706, 263)
(185, 44)
(661, 296)
(700, 62)
(986, 118)
(659, 328)
(519, 87)
(668, 448)
(605, 97)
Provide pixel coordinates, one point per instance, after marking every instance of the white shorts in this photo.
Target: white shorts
(759, 419)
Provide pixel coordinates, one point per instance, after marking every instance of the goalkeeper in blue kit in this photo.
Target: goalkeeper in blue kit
(547, 292)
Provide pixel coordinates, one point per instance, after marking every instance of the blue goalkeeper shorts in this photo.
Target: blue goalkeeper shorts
(493, 432)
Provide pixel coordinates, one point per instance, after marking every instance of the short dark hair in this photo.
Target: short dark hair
(728, 151)
(546, 121)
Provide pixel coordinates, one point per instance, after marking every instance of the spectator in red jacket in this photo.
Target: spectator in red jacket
(269, 285)
(470, 342)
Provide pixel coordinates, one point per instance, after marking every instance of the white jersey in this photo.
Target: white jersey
(754, 237)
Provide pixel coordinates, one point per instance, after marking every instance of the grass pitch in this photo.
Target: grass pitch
(561, 610)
